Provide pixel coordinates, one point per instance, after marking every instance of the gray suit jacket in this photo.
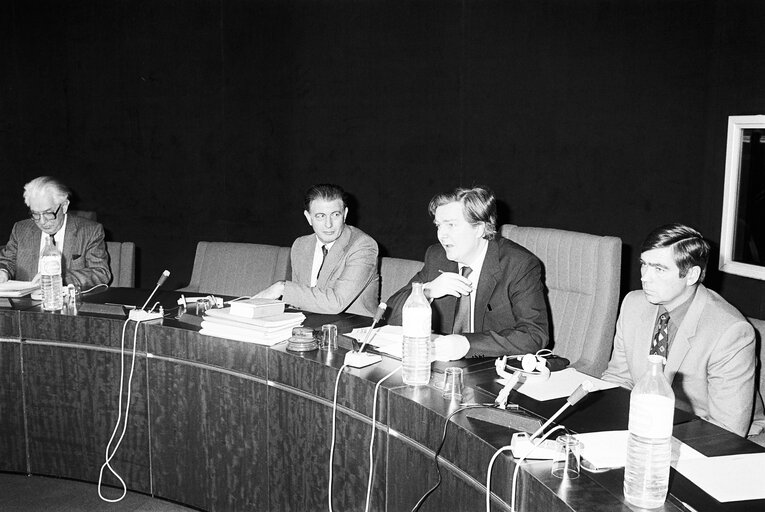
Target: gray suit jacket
(348, 280)
(711, 360)
(85, 261)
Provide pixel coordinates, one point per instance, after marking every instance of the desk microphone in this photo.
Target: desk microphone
(579, 393)
(521, 443)
(141, 315)
(360, 359)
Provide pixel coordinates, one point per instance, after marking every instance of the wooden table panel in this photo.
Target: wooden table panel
(72, 407)
(208, 444)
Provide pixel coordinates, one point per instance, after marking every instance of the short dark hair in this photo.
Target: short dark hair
(325, 191)
(478, 205)
(688, 246)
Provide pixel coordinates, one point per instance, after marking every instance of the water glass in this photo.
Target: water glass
(328, 337)
(567, 458)
(453, 383)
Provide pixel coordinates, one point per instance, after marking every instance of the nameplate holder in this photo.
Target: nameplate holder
(102, 309)
(517, 421)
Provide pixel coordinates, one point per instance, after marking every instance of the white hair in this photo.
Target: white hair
(46, 185)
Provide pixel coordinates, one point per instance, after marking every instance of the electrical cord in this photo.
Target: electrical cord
(515, 471)
(332, 442)
(430, 491)
(109, 456)
(372, 437)
(93, 288)
(371, 441)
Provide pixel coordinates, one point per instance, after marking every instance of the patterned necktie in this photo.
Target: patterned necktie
(660, 344)
(462, 315)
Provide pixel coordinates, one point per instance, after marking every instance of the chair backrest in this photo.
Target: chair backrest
(85, 214)
(122, 264)
(759, 395)
(582, 275)
(235, 268)
(395, 273)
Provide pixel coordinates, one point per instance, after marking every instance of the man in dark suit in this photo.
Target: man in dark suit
(335, 268)
(84, 259)
(486, 293)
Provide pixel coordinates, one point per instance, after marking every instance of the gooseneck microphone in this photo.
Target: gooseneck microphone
(360, 359)
(378, 316)
(579, 393)
(160, 282)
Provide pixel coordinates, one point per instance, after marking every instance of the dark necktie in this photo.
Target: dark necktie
(324, 252)
(660, 344)
(462, 315)
(52, 240)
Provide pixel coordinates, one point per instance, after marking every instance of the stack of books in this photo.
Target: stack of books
(260, 321)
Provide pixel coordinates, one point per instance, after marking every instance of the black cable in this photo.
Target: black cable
(440, 446)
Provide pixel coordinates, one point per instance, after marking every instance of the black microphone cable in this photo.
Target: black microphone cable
(430, 491)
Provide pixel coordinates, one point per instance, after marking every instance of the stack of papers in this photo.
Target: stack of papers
(387, 339)
(257, 308)
(17, 288)
(266, 330)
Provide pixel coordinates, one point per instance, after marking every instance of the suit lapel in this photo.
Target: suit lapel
(487, 282)
(644, 336)
(333, 256)
(32, 240)
(685, 334)
(67, 251)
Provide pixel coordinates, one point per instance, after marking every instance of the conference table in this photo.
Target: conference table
(224, 425)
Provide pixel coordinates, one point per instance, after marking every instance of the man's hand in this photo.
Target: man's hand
(450, 347)
(448, 283)
(36, 279)
(275, 291)
(4, 276)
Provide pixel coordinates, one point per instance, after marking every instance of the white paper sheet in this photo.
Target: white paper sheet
(609, 449)
(561, 384)
(728, 478)
(13, 288)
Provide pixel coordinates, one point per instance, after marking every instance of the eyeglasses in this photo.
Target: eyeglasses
(44, 215)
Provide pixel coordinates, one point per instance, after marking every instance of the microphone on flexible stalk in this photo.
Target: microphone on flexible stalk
(141, 315)
(522, 444)
(360, 359)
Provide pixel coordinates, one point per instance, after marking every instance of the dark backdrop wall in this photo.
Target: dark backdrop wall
(180, 121)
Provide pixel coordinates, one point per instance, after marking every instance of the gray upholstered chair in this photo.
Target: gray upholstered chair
(395, 273)
(758, 426)
(582, 274)
(237, 269)
(122, 264)
(85, 214)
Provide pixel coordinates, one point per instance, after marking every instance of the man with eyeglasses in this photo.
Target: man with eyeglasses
(85, 263)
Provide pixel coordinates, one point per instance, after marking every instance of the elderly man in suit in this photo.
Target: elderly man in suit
(84, 259)
(335, 268)
(486, 293)
(708, 345)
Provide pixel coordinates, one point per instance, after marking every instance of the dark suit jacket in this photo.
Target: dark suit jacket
(85, 262)
(348, 280)
(510, 315)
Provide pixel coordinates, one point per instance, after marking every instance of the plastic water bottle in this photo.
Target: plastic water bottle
(50, 273)
(415, 359)
(649, 448)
